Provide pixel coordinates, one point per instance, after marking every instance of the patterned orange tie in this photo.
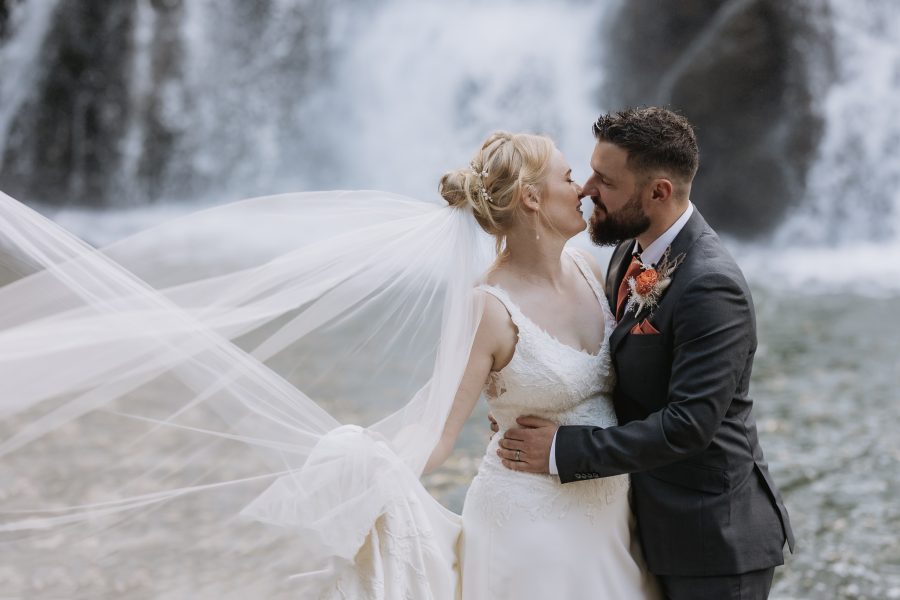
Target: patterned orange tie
(634, 269)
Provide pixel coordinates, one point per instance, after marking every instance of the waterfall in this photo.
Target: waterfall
(158, 100)
(846, 232)
(424, 83)
(852, 193)
(225, 99)
(19, 58)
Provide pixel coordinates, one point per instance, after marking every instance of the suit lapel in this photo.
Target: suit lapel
(681, 244)
(618, 265)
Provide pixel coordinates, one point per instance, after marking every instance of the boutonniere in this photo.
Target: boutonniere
(648, 287)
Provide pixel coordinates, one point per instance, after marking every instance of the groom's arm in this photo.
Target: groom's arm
(713, 338)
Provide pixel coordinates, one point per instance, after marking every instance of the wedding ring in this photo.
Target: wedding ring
(518, 453)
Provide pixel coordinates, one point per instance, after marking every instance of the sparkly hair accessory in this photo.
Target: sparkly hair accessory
(482, 191)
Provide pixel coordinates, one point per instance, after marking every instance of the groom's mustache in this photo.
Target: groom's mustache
(598, 203)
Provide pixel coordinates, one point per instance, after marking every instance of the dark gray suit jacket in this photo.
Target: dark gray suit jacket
(702, 494)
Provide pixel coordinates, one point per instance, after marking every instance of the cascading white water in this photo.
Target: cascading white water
(846, 232)
(852, 194)
(422, 84)
(410, 92)
(304, 95)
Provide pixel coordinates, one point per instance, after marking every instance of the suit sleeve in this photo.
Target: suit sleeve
(713, 337)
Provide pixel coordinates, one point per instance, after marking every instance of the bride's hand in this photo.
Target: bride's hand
(494, 427)
(527, 447)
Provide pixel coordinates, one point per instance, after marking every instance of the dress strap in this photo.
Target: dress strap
(515, 313)
(586, 270)
(588, 274)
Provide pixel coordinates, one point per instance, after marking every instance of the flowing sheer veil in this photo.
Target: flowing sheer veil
(229, 398)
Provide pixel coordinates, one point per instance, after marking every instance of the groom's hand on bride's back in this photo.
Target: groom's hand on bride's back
(527, 447)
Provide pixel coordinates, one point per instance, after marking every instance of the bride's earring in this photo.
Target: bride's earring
(537, 226)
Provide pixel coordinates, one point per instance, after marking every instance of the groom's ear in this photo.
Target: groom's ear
(661, 189)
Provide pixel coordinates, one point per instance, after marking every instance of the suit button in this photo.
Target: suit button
(577, 475)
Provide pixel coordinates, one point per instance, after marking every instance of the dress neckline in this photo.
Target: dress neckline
(593, 284)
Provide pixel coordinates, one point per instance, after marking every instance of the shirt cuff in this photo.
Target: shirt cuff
(552, 465)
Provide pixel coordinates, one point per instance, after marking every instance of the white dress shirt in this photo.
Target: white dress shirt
(650, 256)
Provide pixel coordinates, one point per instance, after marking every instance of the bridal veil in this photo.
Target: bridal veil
(246, 393)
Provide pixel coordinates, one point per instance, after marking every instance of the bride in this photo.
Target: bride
(542, 349)
(136, 377)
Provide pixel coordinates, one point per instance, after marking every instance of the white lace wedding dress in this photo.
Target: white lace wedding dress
(527, 536)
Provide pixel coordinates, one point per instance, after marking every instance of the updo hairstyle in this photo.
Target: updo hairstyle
(511, 161)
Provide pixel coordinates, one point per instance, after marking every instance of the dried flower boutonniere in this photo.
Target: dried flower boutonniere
(648, 287)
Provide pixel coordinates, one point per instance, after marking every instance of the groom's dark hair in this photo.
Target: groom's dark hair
(654, 138)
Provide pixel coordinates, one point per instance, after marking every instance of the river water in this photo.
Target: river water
(825, 386)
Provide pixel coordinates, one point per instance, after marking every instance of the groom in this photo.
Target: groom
(711, 521)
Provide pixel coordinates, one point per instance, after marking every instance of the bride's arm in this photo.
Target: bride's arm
(494, 344)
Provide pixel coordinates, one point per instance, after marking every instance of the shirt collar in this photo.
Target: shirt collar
(654, 252)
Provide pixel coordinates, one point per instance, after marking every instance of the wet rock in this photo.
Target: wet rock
(748, 74)
(137, 101)
(161, 132)
(5, 8)
(66, 139)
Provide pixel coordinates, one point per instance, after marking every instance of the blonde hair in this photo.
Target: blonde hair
(493, 185)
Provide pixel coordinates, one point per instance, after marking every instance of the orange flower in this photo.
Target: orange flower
(645, 282)
(648, 287)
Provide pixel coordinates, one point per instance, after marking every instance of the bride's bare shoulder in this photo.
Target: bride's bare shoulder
(494, 309)
(498, 276)
(497, 334)
(496, 314)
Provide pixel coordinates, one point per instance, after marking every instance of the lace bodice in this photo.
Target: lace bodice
(507, 510)
(550, 379)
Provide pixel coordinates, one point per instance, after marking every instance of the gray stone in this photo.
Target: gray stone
(131, 105)
(5, 8)
(65, 140)
(748, 74)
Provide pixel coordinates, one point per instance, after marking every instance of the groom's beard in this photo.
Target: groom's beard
(628, 222)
